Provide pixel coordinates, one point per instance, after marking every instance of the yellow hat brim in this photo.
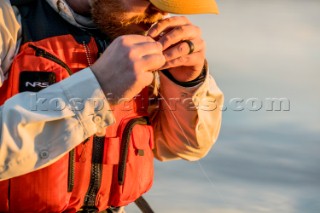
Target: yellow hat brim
(187, 6)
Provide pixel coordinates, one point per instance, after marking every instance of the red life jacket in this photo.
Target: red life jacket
(101, 172)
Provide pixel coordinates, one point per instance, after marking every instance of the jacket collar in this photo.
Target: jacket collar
(66, 12)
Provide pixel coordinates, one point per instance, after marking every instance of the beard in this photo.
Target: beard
(113, 19)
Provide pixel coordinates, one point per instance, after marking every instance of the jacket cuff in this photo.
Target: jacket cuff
(88, 101)
(200, 79)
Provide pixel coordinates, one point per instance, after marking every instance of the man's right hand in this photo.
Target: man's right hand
(127, 66)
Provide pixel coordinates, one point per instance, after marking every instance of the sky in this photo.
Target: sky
(264, 161)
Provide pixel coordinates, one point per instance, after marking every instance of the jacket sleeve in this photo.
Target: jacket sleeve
(34, 132)
(188, 121)
(9, 36)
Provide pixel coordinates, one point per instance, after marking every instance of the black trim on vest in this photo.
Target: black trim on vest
(41, 21)
(20, 2)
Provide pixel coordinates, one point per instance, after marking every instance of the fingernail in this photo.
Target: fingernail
(152, 32)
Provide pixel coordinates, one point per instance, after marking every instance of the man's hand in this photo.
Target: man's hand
(126, 66)
(171, 33)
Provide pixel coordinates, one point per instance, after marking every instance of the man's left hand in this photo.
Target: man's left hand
(172, 33)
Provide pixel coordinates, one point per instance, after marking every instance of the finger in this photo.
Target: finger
(147, 78)
(165, 24)
(182, 49)
(134, 39)
(194, 59)
(146, 48)
(152, 62)
(180, 33)
(162, 33)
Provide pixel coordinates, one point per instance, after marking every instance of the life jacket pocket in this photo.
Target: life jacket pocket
(33, 69)
(133, 173)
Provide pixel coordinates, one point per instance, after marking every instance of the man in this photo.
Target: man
(64, 141)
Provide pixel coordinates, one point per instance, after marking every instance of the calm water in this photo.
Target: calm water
(264, 161)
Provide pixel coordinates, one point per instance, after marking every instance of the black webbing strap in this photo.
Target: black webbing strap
(143, 205)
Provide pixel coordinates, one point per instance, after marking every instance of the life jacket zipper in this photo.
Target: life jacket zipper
(96, 172)
(125, 146)
(97, 158)
(71, 167)
(42, 53)
(71, 172)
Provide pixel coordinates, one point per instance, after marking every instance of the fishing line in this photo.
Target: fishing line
(187, 139)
